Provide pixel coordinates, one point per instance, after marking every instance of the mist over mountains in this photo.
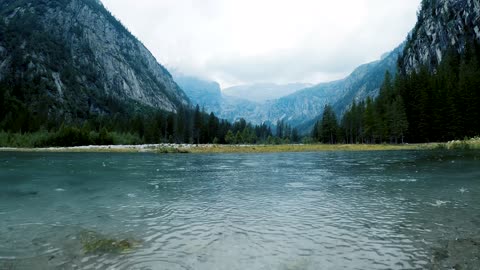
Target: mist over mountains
(301, 107)
(261, 92)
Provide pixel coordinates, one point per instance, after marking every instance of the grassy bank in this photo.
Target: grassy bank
(296, 148)
(469, 144)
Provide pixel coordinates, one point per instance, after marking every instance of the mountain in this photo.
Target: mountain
(442, 25)
(440, 71)
(302, 108)
(68, 59)
(366, 80)
(262, 92)
(205, 93)
(435, 96)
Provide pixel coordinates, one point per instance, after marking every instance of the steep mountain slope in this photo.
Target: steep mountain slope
(208, 95)
(302, 108)
(440, 69)
(261, 92)
(368, 84)
(441, 25)
(71, 58)
(205, 93)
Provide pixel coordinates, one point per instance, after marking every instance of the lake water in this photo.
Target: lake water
(331, 210)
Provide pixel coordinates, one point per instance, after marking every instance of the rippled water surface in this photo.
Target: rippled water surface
(335, 210)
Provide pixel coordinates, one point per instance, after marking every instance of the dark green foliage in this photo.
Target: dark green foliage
(327, 130)
(230, 137)
(397, 124)
(69, 136)
(147, 125)
(444, 105)
(285, 133)
(422, 106)
(197, 125)
(353, 123)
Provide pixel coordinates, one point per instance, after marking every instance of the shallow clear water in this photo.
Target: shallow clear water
(332, 210)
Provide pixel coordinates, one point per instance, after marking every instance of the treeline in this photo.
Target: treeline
(31, 116)
(21, 127)
(423, 106)
(285, 133)
(124, 123)
(377, 121)
(443, 105)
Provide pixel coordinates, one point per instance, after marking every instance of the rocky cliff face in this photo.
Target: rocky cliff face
(206, 94)
(441, 25)
(81, 56)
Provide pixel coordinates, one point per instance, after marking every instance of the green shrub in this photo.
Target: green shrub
(125, 138)
(69, 136)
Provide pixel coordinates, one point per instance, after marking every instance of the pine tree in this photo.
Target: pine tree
(197, 125)
(369, 120)
(397, 120)
(329, 126)
(212, 127)
(295, 136)
(315, 132)
(469, 82)
(230, 138)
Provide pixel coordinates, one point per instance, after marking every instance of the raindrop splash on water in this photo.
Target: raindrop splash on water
(275, 211)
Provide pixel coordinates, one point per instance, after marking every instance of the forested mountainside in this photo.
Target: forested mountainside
(302, 109)
(436, 93)
(66, 60)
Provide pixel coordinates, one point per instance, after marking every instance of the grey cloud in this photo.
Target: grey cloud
(252, 41)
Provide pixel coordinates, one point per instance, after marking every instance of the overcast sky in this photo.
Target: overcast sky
(247, 41)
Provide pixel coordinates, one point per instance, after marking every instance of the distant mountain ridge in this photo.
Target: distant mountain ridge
(208, 95)
(202, 92)
(76, 58)
(302, 108)
(261, 92)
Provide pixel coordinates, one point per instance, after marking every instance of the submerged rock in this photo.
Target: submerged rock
(93, 242)
(457, 254)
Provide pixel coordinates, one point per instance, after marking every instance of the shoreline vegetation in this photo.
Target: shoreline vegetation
(467, 144)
